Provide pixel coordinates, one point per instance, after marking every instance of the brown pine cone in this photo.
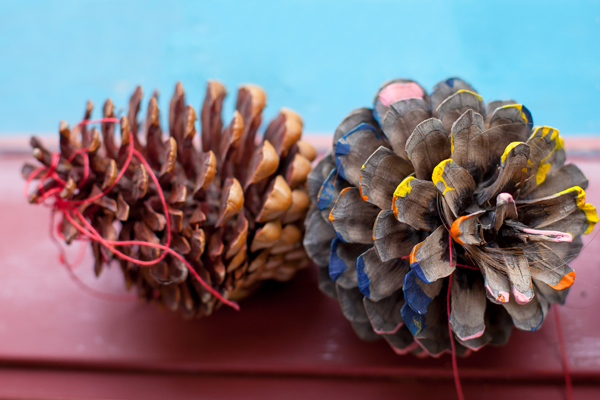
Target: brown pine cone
(236, 207)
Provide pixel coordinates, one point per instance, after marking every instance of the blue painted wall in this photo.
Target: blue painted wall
(321, 58)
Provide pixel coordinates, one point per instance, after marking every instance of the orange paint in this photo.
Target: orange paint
(331, 216)
(343, 192)
(565, 282)
(413, 254)
(501, 298)
(455, 229)
(365, 198)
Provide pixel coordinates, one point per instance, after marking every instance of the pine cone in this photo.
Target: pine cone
(426, 190)
(236, 208)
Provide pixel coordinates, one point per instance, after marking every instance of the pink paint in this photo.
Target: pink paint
(390, 332)
(505, 198)
(400, 91)
(520, 297)
(473, 336)
(474, 348)
(505, 295)
(559, 236)
(489, 289)
(406, 350)
(502, 295)
(426, 352)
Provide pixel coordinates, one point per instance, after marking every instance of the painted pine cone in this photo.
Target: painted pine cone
(423, 190)
(236, 206)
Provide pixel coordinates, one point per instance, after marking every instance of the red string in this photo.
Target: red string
(97, 121)
(563, 354)
(459, 391)
(466, 266)
(71, 269)
(66, 207)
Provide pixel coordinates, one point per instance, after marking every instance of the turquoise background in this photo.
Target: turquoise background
(321, 58)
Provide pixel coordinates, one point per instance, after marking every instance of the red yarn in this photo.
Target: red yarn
(97, 121)
(67, 207)
(71, 268)
(563, 354)
(459, 390)
(466, 266)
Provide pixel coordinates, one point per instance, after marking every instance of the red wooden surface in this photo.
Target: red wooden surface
(288, 341)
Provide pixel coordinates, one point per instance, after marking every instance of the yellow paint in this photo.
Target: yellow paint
(591, 215)
(544, 166)
(518, 107)
(438, 175)
(404, 187)
(540, 175)
(508, 149)
(524, 170)
(580, 195)
(589, 210)
(565, 282)
(402, 190)
(417, 324)
(545, 131)
(473, 93)
(451, 143)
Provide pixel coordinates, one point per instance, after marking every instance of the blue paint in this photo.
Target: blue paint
(337, 266)
(342, 147)
(339, 236)
(418, 271)
(363, 278)
(415, 297)
(540, 324)
(537, 327)
(378, 117)
(328, 193)
(527, 113)
(309, 55)
(413, 320)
